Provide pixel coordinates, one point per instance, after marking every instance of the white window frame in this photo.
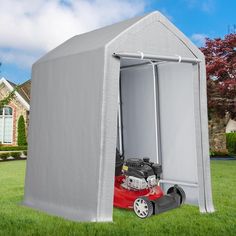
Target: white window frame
(3, 124)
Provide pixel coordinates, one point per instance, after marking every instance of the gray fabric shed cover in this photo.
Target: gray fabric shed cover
(73, 119)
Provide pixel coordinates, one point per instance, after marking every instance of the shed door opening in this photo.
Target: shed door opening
(157, 119)
(138, 125)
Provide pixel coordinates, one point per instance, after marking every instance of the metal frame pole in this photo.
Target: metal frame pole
(153, 57)
(120, 126)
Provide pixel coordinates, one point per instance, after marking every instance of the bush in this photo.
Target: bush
(15, 155)
(21, 132)
(4, 156)
(231, 142)
(25, 153)
(13, 148)
(219, 153)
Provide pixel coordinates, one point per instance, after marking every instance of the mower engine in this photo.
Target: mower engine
(140, 174)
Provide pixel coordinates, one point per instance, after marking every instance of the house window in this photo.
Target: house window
(6, 125)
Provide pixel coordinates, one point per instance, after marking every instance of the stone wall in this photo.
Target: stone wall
(217, 137)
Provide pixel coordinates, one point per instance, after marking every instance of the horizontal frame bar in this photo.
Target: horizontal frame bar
(135, 65)
(152, 57)
(165, 181)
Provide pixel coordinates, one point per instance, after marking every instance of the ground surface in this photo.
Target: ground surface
(18, 220)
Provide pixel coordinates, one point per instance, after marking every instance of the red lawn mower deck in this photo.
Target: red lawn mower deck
(124, 198)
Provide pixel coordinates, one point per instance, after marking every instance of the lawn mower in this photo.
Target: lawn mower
(137, 187)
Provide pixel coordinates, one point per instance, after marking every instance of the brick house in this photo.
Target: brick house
(10, 114)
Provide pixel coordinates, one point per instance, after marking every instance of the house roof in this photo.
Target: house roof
(11, 83)
(24, 90)
(22, 93)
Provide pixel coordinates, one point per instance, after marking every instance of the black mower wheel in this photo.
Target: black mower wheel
(143, 207)
(177, 189)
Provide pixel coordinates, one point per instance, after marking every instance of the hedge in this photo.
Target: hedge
(219, 153)
(16, 155)
(21, 139)
(4, 156)
(231, 142)
(13, 148)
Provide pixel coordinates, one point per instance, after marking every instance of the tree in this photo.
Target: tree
(221, 75)
(6, 100)
(21, 140)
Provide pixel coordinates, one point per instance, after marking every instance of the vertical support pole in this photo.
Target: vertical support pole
(120, 119)
(157, 112)
(155, 109)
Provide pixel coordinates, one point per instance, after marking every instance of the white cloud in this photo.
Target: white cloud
(199, 39)
(37, 26)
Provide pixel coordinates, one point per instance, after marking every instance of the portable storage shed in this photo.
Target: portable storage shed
(159, 76)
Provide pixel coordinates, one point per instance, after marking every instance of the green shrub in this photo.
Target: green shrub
(211, 153)
(219, 153)
(15, 155)
(13, 148)
(21, 132)
(25, 153)
(231, 142)
(4, 156)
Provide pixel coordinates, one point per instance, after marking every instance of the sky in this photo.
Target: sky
(31, 28)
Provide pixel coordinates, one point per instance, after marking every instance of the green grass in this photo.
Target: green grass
(18, 220)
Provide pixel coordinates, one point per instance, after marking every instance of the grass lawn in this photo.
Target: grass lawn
(18, 220)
